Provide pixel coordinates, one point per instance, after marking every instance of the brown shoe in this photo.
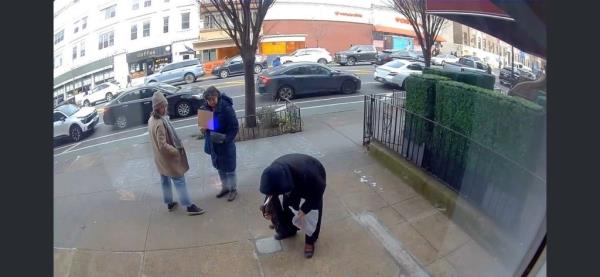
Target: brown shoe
(309, 250)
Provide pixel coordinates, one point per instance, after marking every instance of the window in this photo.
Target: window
(317, 70)
(58, 116)
(110, 12)
(146, 31)
(74, 52)
(465, 38)
(134, 32)
(83, 23)
(166, 1)
(106, 40)
(209, 55)
(58, 37)
(165, 24)
(186, 57)
(135, 4)
(82, 49)
(131, 96)
(76, 29)
(147, 3)
(58, 61)
(147, 93)
(185, 21)
(366, 48)
(485, 46)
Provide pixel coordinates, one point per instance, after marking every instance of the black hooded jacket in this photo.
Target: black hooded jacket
(225, 122)
(300, 175)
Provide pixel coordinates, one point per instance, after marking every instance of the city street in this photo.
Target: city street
(234, 87)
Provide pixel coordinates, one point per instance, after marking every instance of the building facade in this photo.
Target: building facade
(100, 41)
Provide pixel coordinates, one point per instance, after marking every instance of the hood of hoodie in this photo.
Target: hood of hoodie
(276, 179)
(224, 100)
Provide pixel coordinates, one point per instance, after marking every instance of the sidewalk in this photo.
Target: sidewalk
(115, 224)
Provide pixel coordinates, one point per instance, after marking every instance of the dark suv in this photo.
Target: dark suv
(235, 66)
(356, 54)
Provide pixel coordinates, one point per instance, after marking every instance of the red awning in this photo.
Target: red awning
(403, 32)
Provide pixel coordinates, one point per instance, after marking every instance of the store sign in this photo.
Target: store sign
(466, 7)
(149, 53)
(348, 14)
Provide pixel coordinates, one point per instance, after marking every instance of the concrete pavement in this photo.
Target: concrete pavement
(109, 219)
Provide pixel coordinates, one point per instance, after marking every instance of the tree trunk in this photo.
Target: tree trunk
(250, 105)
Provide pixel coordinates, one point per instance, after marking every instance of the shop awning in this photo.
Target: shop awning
(403, 32)
(87, 69)
(280, 38)
(213, 44)
(521, 23)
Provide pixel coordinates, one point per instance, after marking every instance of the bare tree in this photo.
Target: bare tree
(426, 26)
(242, 21)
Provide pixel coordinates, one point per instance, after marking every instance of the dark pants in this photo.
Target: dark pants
(283, 215)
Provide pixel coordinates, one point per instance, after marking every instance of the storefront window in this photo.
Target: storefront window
(209, 55)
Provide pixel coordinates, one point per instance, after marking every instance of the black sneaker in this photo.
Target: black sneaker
(193, 210)
(172, 206)
(232, 195)
(222, 193)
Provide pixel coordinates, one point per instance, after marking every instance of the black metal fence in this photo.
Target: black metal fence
(494, 183)
(282, 118)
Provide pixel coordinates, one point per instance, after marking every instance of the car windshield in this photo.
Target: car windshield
(354, 48)
(395, 64)
(68, 109)
(168, 88)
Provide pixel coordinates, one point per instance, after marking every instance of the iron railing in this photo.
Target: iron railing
(494, 183)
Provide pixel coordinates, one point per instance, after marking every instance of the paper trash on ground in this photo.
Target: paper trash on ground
(310, 221)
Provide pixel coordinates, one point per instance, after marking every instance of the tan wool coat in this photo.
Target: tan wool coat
(169, 161)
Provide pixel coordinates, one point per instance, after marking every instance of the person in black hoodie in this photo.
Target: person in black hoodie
(220, 142)
(296, 176)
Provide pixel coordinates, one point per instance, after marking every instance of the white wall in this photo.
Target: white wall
(321, 10)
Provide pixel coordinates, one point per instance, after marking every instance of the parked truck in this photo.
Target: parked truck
(468, 65)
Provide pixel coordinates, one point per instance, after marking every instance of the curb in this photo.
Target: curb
(474, 223)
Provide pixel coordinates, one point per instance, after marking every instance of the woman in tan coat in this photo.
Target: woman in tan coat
(169, 155)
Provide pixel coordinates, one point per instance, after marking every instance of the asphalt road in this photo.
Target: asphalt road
(105, 135)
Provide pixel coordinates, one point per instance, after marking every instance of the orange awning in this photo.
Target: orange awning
(403, 32)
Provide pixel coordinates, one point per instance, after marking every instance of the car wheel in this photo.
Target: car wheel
(224, 74)
(351, 61)
(86, 103)
(75, 133)
(108, 97)
(121, 122)
(285, 92)
(348, 87)
(257, 69)
(183, 109)
(189, 78)
(322, 61)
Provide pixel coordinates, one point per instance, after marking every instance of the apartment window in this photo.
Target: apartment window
(185, 21)
(146, 29)
(209, 55)
(134, 32)
(465, 39)
(82, 49)
(165, 24)
(106, 40)
(83, 23)
(135, 4)
(74, 52)
(110, 12)
(484, 44)
(58, 37)
(76, 29)
(147, 3)
(57, 61)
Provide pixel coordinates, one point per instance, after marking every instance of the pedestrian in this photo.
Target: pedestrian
(220, 142)
(296, 176)
(169, 156)
(128, 80)
(277, 61)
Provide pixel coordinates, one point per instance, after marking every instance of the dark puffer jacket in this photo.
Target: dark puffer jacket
(223, 155)
(299, 175)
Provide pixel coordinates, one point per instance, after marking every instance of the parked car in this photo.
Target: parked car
(355, 54)
(385, 56)
(518, 76)
(135, 104)
(235, 66)
(444, 58)
(102, 92)
(71, 121)
(293, 79)
(415, 56)
(468, 65)
(319, 55)
(396, 71)
(187, 71)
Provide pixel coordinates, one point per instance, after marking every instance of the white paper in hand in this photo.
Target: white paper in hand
(310, 221)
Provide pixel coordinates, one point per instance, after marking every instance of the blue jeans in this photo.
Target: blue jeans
(179, 183)
(228, 180)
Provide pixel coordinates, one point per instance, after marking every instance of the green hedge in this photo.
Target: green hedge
(420, 100)
(482, 80)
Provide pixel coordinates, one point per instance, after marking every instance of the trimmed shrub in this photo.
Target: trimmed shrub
(482, 80)
(420, 100)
